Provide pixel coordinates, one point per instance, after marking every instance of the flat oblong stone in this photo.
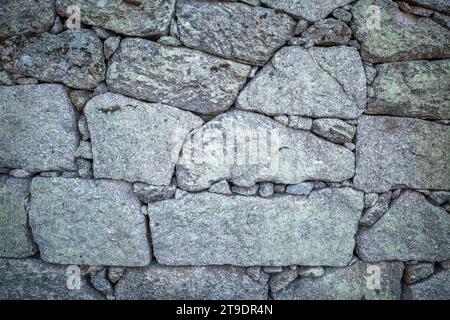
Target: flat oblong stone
(212, 229)
(93, 222)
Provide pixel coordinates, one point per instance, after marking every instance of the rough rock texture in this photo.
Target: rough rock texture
(436, 287)
(319, 82)
(412, 229)
(180, 77)
(95, 222)
(412, 89)
(393, 152)
(134, 140)
(38, 128)
(147, 193)
(376, 211)
(74, 57)
(415, 272)
(348, 283)
(305, 9)
(34, 279)
(329, 32)
(146, 18)
(15, 236)
(234, 31)
(207, 228)
(438, 5)
(25, 17)
(158, 282)
(335, 130)
(392, 35)
(273, 153)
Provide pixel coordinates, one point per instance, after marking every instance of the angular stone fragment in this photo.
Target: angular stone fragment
(412, 229)
(239, 32)
(245, 191)
(38, 128)
(310, 271)
(158, 282)
(266, 189)
(392, 153)
(245, 148)
(439, 197)
(281, 280)
(348, 283)
(147, 193)
(438, 5)
(94, 222)
(180, 77)
(136, 141)
(110, 46)
(335, 130)
(147, 18)
(300, 189)
(15, 236)
(84, 150)
(412, 89)
(318, 82)
(34, 279)
(221, 187)
(417, 271)
(305, 9)
(376, 211)
(436, 287)
(329, 32)
(74, 57)
(206, 228)
(387, 34)
(18, 17)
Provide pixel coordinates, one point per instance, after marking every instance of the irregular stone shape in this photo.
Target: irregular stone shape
(348, 283)
(110, 46)
(15, 237)
(257, 148)
(436, 287)
(207, 228)
(74, 57)
(401, 152)
(281, 280)
(239, 32)
(318, 82)
(329, 32)
(422, 235)
(180, 77)
(398, 36)
(376, 211)
(38, 128)
(245, 191)
(158, 282)
(301, 123)
(147, 193)
(335, 130)
(310, 271)
(266, 189)
(304, 9)
(34, 279)
(94, 222)
(20, 17)
(439, 197)
(300, 189)
(412, 89)
(221, 187)
(136, 141)
(438, 5)
(416, 272)
(149, 18)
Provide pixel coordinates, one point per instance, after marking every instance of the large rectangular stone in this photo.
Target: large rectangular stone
(396, 152)
(94, 222)
(212, 229)
(158, 282)
(38, 128)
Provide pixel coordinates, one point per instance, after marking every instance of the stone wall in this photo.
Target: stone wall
(162, 149)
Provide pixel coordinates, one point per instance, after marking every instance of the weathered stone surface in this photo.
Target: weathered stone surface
(206, 228)
(398, 36)
(304, 9)
(147, 193)
(319, 82)
(146, 19)
(412, 89)
(376, 211)
(335, 130)
(15, 236)
(301, 123)
(239, 32)
(18, 17)
(439, 197)
(136, 141)
(436, 287)
(348, 283)
(329, 32)
(439, 5)
(342, 15)
(281, 280)
(395, 152)
(110, 46)
(266, 189)
(412, 229)
(94, 222)
(74, 57)
(273, 153)
(221, 187)
(158, 282)
(180, 77)
(310, 271)
(84, 150)
(38, 128)
(300, 189)
(245, 191)
(37, 280)
(417, 271)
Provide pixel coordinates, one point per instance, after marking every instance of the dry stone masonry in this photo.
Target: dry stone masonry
(206, 149)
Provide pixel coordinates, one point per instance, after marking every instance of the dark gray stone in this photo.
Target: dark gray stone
(436, 287)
